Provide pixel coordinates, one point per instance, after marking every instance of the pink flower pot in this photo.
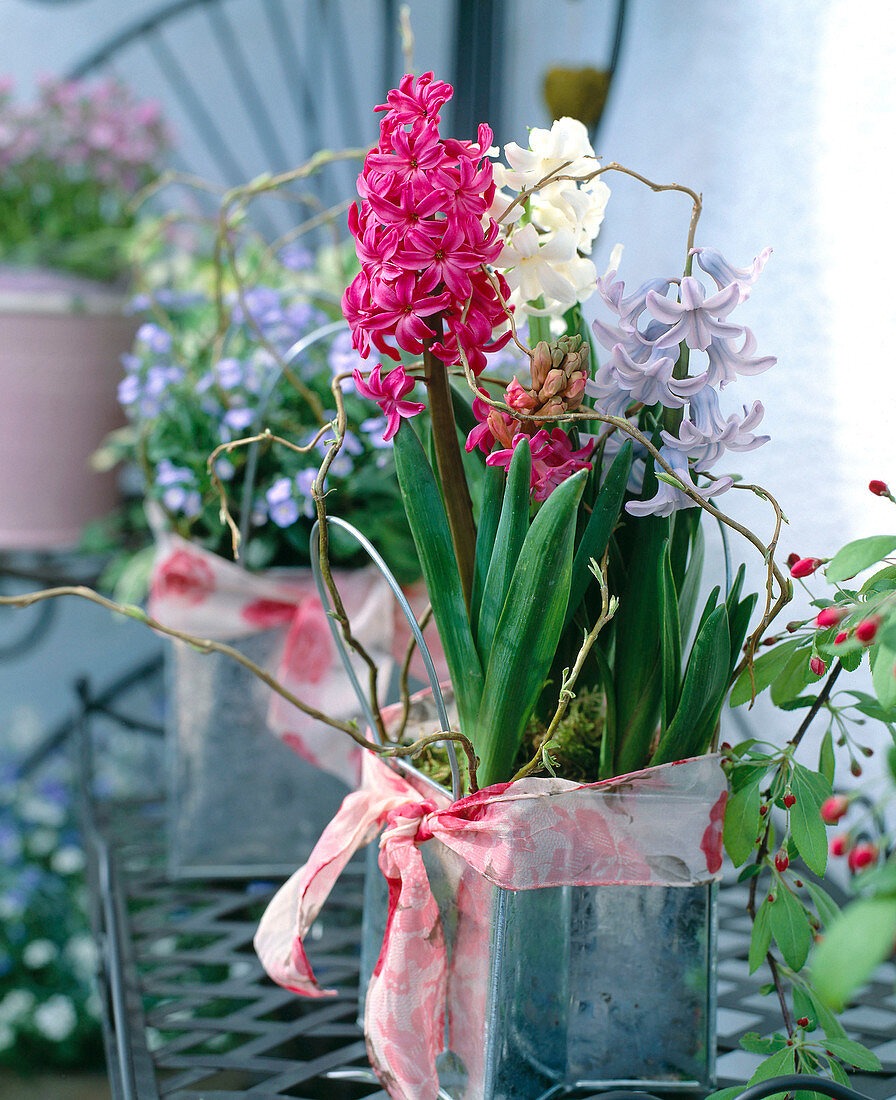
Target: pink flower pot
(61, 339)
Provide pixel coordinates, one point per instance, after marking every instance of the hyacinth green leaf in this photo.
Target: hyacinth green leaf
(766, 669)
(432, 537)
(806, 827)
(853, 945)
(513, 525)
(789, 923)
(492, 498)
(637, 667)
(760, 938)
(604, 517)
(882, 663)
(705, 683)
(671, 638)
(859, 555)
(528, 631)
(690, 589)
(741, 822)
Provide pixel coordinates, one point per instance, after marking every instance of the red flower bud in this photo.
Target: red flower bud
(805, 567)
(792, 559)
(803, 1021)
(763, 809)
(789, 799)
(867, 629)
(782, 861)
(771, 897)
(879, 488)
(830, 616)
(772, 639)
(863, 855)
(833, 808)
(841, 637)
(841, 844)
(798, 882)
(856, 768)
(817, 665)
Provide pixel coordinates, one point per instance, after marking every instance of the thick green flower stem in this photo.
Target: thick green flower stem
(455, 492)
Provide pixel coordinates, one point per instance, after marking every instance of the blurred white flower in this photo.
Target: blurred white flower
(43, 841)
(82, 951)
(16, 1004)
(56, 1017)
(67, 860)
(38, 953)
(42, 811)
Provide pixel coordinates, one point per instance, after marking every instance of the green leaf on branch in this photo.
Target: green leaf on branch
(780, 1064)
(859, 555)
(882, 676)
(760, 937)
(754, 1043)
(741, 822)
(826, 760)
(795, 675)
(766, 669)
(828, 910)
(789, 923)
(853, 945)
(806, 827)
(847, 1050)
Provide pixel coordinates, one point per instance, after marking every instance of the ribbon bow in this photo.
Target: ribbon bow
(201, 593)
(660, 826)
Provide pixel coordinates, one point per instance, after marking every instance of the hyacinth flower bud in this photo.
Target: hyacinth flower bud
(541, 364)
(841, 844)
(833, 808)
(862, 856)
(517, 397)
(867, 629)
(805, 567)
(817, 665)
(830, 616)
(880, 489)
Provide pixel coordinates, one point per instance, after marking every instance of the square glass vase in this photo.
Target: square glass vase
(240, 802)
(558, 989)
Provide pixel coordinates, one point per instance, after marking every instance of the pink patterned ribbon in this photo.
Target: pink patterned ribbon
(661, 826)
(199, 592)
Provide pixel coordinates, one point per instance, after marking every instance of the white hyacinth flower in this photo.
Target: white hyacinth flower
(56, 1017)
(552, 271)
(549, 255)
(564, 150)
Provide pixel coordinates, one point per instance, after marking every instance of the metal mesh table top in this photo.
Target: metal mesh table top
(191, 1014)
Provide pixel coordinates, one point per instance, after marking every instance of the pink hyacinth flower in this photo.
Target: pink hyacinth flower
(389, 393)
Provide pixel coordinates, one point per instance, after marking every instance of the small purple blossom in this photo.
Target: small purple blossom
(723, 273)
(295, 256)
(695, 319)
(239, 418)
(228, 373)
(153, 337)
(282, 506)
(188, 502)
(128, 390)
(669, 498)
